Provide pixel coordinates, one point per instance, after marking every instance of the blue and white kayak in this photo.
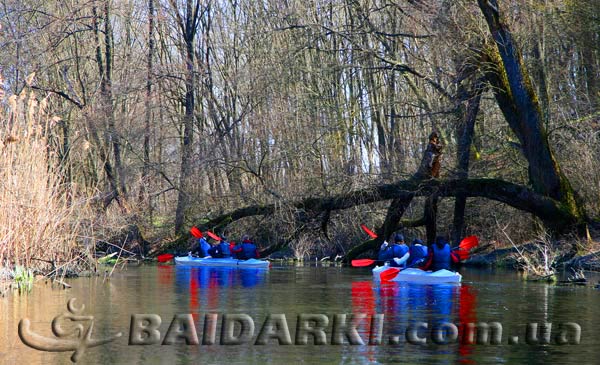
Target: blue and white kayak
(419, 276)
(223, 262)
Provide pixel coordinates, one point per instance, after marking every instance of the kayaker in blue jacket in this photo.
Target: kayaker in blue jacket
(215, 251)
(417, 252)
(246, 250)
(396, 253)
(220, 249)
(202, 248)
(441, 256)
(224, 246)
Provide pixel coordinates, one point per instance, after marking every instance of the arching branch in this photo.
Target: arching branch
(517, 196)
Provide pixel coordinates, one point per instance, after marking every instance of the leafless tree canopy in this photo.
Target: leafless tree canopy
(310, 117)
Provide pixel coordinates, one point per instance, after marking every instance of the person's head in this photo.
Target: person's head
(434, 138)
(398, 238)
(440, 241)
(245, 238)
(417, 241)
(435, 142)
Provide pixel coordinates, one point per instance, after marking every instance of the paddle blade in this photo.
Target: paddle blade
(368, 231)
(213, 236)
(468, 243)
(196, 232)
(462, 254)
(164, 257)
(362, 262)
(465, 246)
(389, 274)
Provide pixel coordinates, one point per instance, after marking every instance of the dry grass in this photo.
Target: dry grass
(539, 258)
(39, 226)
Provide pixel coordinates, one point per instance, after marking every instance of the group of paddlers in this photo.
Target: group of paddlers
(397, 254)
(437, 257)
(225, 249)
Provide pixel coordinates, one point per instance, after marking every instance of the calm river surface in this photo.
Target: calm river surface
(484, 296)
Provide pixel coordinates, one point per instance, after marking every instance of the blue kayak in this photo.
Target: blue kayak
(223, 262)
(419, 276)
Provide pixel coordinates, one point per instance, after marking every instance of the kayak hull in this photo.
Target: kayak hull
(223, 262)
(419, 276)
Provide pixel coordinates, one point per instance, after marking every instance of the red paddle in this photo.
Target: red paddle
(368, 231)
(389, 274)
(363, 262)
(165, 257)
(196, 232)
(465, 246)
(213, 236)
(469, 242)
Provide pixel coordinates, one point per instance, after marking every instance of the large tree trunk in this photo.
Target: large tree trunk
(111, 174)
(468, 100)
(430, 215)
(465, 131)
(429, 168)
(189, 32)
(514, 195)
(149, 103)
(519, 104)
(106, 90)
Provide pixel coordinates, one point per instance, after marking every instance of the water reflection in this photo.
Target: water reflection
(405, 305)
(207, 287)
(192, 278)
(490, 296)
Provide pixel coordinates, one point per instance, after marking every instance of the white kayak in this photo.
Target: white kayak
(419, 276)
(222, 262)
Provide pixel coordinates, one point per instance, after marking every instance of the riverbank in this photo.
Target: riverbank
(509, 258)
(544, 261)
(486, 255)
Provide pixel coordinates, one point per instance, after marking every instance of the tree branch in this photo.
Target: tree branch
(517, 196)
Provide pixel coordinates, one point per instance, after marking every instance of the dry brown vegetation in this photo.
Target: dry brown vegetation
(164, 122)
(40, 213)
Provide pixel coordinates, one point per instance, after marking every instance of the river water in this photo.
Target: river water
(165, 291)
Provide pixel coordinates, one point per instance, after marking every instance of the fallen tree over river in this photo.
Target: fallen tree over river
(548, 196)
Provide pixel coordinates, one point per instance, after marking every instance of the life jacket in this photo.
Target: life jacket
(394, 250)
(203, 247)
(417, 252)
(386, 253)
(248, 251)
(441, 258)
(245, 251)
(399, 250)
(224, 246)
(216, 252)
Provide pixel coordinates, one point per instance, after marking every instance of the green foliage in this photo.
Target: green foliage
(108, 259)
(23, 279)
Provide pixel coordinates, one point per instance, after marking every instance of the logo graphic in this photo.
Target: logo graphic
(77, 338)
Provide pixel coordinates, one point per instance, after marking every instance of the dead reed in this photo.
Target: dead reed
(39, 226)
